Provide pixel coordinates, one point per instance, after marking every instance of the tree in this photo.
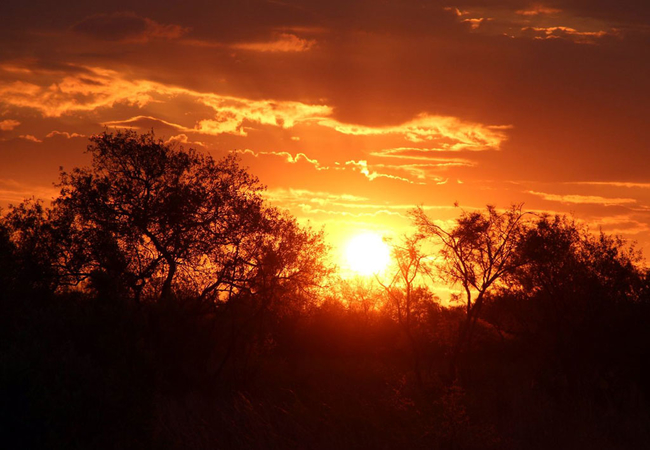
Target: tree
(578, 298)
(276, 274)
(406, 294)
(477, 253)
(41, 254)
(571, 275)
(151, 217)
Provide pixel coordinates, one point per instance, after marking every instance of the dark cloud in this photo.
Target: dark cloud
(127, 26)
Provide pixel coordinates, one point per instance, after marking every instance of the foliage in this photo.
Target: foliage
(148, 214)
(479, 251)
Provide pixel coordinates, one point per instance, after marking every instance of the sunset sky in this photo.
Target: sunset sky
(351, 112)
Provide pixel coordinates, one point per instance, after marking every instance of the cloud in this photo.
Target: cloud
(301, 198)
(127, 27)
(278, 43)
(288, 157)
(457, 134)
(583, 199)
(537, 9)
(89, 89)
(305, 195)
(625, 184)
(61, 94)
(475, 23)
(424, 170)
(8, 124)
(309, 209)
(362, 167)
(621, 224)
(284, 42)
(143, 122)
(541, 22)
(332, 204)
(184, 139)
(64, 134)
(422, 154)
(29, 137)
(455, 11)
(232, 112)
(560, 32)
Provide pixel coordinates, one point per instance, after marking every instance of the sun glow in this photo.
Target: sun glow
(367, 254)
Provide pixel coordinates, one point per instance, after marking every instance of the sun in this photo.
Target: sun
(367, 254)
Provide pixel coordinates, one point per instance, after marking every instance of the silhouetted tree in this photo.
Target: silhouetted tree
(277, 273)
(570, 275)
(43, 256)
(477, 253)
(576, 305)
(405, 291)
(149, 217)
(145, 210)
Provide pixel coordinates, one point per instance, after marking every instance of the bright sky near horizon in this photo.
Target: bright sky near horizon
(351, 112)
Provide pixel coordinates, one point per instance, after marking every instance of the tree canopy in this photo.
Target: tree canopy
(147, 218)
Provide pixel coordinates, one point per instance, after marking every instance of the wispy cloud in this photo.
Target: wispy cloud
(143, 122)
(422, 154)
(621, 224)
(319, 197)
(334, 204)
(537, 21)
(8, 124)
(426, 127)
(475, 23)
(288, 157)
(278, 42)
(362, 167)
(64, 134)
(425, 170)
(537, 9)
(583, 199)
(309, 209)
(625, 184)
(284, 42)
(561, 32)
(29, 137)
(184, 139)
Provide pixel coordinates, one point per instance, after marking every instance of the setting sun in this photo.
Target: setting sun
(367, 254)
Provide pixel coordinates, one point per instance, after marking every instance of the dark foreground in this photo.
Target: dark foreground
(84, 373)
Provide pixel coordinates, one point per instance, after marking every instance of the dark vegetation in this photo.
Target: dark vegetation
(160, 303)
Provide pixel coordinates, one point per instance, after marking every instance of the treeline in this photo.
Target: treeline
(160, 302)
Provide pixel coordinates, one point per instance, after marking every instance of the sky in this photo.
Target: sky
(350, 112)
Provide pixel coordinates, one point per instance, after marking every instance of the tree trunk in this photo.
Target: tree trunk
(167, 285)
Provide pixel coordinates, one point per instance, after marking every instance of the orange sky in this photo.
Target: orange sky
(351, 112)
